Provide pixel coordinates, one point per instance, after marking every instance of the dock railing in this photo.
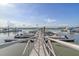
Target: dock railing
(70, 45)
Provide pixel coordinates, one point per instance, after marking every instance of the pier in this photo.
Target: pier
(40, 45)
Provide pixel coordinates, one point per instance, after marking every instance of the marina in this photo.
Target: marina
(34, 41)
(38, 29)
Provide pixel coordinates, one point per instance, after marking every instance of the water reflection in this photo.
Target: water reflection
(6, 36)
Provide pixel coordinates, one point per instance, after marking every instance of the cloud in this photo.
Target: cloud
(16, 15)
(14, 23)
(50, 20)
(63, 25)
(6, 5)
(3, 23)
(22, 16)
(7, 10)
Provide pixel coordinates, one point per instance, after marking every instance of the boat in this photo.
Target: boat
(23, 35)
(62, 37)
(9, 40)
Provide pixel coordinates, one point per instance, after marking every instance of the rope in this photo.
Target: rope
(51, 49)
(25, 48)
(27, 44)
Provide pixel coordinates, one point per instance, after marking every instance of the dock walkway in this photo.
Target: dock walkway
(41, 46)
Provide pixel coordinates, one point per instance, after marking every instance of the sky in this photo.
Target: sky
(39, 14)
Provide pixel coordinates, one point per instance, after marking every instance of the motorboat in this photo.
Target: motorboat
(62, 37)
(24, 35)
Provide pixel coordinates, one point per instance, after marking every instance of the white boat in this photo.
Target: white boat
(23, 35)
(62, 37)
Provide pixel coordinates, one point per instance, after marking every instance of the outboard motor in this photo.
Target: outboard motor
(32, 40)
(66, 37)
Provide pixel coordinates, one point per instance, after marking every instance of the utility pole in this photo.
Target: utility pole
(8, 28)
(44, 32)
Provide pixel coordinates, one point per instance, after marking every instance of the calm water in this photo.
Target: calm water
(4, 36)
(11, 35)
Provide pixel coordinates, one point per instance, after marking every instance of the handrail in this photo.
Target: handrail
(25, 47)
(70, 45)
(45, 50)
(51, 48)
